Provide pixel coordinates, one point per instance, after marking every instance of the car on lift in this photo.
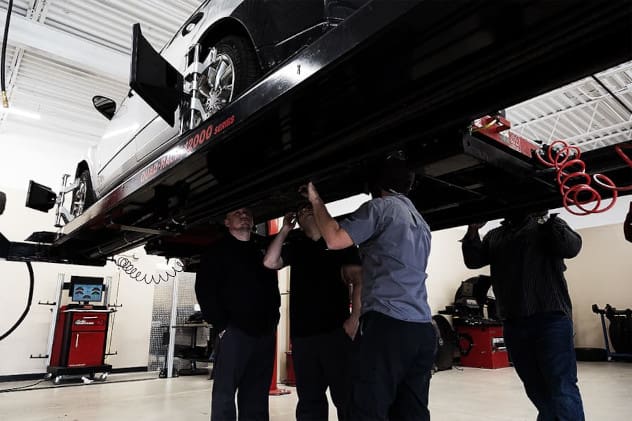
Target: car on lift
(240, 40)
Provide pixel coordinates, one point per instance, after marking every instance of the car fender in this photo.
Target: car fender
(215, 12)
(87, 162)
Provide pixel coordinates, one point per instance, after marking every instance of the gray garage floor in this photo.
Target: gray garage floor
(455, 395)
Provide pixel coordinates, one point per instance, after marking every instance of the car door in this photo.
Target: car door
(115, 152)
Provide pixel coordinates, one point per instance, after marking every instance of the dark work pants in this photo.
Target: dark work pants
(542, 351)
(243, 364)
(391, 369)
(321, 361)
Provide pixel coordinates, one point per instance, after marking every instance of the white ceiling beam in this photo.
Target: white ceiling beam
(82, 53)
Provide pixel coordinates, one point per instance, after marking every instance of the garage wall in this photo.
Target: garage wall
(37, 156)
(130, 325)
(600, 274)
(446, 269)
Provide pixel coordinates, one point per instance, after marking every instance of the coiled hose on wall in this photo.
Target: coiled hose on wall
(133, 272)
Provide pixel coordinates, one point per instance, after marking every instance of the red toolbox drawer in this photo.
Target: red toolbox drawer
(82, 321)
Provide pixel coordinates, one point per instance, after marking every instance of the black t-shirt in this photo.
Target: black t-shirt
(319, 299)
(527, 267)
(234, 288)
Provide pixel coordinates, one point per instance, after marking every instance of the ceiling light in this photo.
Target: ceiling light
(20, 112)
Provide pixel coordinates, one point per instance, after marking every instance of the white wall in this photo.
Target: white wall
(45, 160)
(600, 274)
(283, 330)
(446, 269)
(129, 327)
(36, 156)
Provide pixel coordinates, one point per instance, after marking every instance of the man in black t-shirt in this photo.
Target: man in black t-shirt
(240, 297)
(321, 328)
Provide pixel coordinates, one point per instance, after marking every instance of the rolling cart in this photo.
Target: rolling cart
(80, 332)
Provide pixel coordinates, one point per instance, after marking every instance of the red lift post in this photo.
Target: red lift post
(273, 228)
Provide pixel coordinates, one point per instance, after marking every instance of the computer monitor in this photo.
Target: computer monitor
(86, 289)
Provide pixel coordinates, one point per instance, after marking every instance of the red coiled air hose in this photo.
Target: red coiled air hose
(574, 180)
(619, 149)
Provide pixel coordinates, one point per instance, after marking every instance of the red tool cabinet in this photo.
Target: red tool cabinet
(482, 346)
(79, 341)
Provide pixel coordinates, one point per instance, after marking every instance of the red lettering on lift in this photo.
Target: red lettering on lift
(195, 141)
(224, 124)
(148, 173)
(190, 145)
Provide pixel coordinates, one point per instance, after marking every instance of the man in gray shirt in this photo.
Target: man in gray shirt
(396, 344)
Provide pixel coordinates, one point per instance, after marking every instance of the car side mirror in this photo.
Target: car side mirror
(104, 105)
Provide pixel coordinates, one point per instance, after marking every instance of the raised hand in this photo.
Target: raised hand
(289, 221)
(476, 226)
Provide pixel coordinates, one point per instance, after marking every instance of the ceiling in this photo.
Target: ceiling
(63, 52)
(51, 84)
(583, 113)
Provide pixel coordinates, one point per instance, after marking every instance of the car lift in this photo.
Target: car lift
(409, 75)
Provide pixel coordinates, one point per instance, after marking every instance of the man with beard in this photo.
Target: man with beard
(240, 298)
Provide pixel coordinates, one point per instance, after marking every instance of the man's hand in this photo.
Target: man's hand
(351, 326)
(310, 193)
(272, 258)
(335, 237)
(472, 231)
(477, 226)
(289, 221)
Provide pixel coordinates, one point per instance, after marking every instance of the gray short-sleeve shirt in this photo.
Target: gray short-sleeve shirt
(394, 243)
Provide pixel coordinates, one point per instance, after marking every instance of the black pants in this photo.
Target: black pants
(321, 361)
(243, 364)
(391, 369)
(543, 354)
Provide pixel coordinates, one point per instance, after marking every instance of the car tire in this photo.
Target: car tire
(244, 58)
(83, 196)
(243, 61)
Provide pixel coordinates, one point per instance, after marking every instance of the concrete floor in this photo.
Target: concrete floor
(455, 395)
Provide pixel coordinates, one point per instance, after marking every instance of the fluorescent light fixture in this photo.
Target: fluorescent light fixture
(21, 113)
(114, 133)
